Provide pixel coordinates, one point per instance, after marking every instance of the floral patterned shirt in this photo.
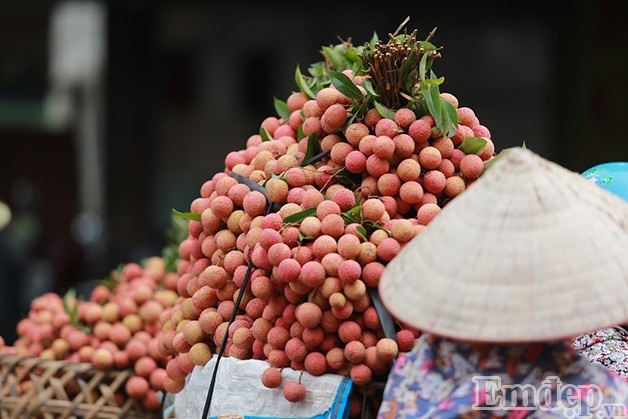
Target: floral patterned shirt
(608, 347)
(442, 379)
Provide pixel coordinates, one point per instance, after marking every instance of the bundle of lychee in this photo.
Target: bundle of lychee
(117, 327)
(286, 245)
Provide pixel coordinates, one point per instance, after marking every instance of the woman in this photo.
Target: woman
(501, 281)
(608, 346)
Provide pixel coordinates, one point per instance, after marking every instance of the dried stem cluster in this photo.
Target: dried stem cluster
(393, 67)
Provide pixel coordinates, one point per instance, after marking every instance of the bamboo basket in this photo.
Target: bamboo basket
(33, 388)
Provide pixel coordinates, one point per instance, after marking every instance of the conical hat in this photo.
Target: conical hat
(530, 252)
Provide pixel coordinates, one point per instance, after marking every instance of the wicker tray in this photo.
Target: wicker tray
(62, 389)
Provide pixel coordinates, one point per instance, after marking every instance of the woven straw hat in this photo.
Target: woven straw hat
(530, 252)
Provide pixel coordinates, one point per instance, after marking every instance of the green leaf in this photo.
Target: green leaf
(300, 216)
(72, 311)
(427, 46)
(372, 226)
(353, 57)
(302, 83)
(362, 232)
(282, 109)
(434, 105)
(348, 179)
(108, 282)
(358, 198)
(384, 111)
(265, 134)
(368, 86)
(303, 238)
(344, 85)
(408, 67)
(472, 145)
(356, 212)
(353, 215)
(187, 215)
(435, 80)
(69, 295)
(374, 39)
(334, 56)
(349, 218)
(422, 67)
(445, 127)
(313, 147)
(452, 115)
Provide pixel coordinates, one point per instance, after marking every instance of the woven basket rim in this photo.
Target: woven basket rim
(50, 396)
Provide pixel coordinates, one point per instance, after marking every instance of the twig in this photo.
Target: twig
(401, 26)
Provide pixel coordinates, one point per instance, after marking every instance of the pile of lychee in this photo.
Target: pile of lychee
(286, 245)
(116, 328)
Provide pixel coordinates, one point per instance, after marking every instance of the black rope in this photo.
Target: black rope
(315, 158)
(162, 403)
(247, 275)
(384, 315)
(271, 207)
(210, 392)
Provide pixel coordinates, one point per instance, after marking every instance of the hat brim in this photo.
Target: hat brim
(530, 252)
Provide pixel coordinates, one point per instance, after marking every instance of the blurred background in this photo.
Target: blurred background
(114, 113)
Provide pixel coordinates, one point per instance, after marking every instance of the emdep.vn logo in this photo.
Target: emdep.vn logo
(552, 394)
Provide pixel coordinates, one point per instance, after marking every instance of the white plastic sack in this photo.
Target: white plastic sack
(239, 392)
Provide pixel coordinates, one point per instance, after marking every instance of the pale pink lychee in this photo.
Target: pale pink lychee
(445, 145)
(466, 116)
(430, 158)
(454, 186)
(345, 199)
(371, 273)
(383, 146)
(408, 169)
(434, 181)
(411, 192)
(373, 209)
(388, 184)
(387, 127)
(254, 203)
(315, 363)
(471, 166)
(355, 161)
(355, 132)
(294, 392)
(388, 248)
(329, 141)
(377, 166)
(349, 271)
(333, 118)
(349, 330)
(427, 212)
(404, 117)
(404, 145)
(271, 377)
(348, 246)
(312, 274)
(489, 149)
(289, 269)
(420, 131)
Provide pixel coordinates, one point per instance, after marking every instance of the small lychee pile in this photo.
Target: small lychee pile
(291, 238)
(117, 327)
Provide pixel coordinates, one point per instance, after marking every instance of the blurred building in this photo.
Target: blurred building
(114, 113)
